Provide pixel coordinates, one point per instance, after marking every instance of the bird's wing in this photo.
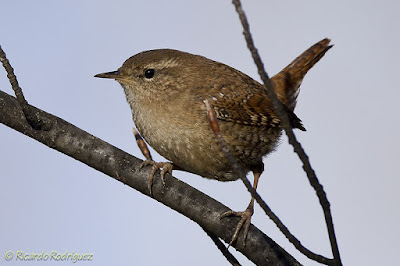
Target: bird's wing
(250, 107)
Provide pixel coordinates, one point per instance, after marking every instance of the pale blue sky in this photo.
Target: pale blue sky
(348, 104)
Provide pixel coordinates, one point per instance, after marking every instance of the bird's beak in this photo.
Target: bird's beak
(110, 75)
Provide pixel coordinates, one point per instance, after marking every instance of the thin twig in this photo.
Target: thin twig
(229, 256)
(33, 118)
(292, 138)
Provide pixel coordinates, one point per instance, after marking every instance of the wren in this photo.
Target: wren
(166, 90)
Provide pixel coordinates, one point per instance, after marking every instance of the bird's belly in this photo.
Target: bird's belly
(192, 145)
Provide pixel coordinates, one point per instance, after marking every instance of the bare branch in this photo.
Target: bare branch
(278, 108)
(98, 154)
(222, 248)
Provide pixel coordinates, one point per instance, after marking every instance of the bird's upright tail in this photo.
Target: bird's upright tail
(288, 81)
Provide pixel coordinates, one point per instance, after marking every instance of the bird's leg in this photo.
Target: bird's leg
(166, 166)
(245, 220)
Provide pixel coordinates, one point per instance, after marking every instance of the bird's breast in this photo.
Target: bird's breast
(184, 138)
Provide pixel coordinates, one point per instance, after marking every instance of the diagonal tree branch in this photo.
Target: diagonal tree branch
(278, 108)
(98, 154)
(221, 247)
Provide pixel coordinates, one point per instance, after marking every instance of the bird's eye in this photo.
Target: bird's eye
(149, 73)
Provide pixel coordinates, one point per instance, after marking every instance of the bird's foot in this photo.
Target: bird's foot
(244, 222)
(166, 168)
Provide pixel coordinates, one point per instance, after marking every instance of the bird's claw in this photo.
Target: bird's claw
(244, 223)
(166, 168)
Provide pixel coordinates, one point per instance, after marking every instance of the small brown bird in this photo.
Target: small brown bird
(166, 90)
